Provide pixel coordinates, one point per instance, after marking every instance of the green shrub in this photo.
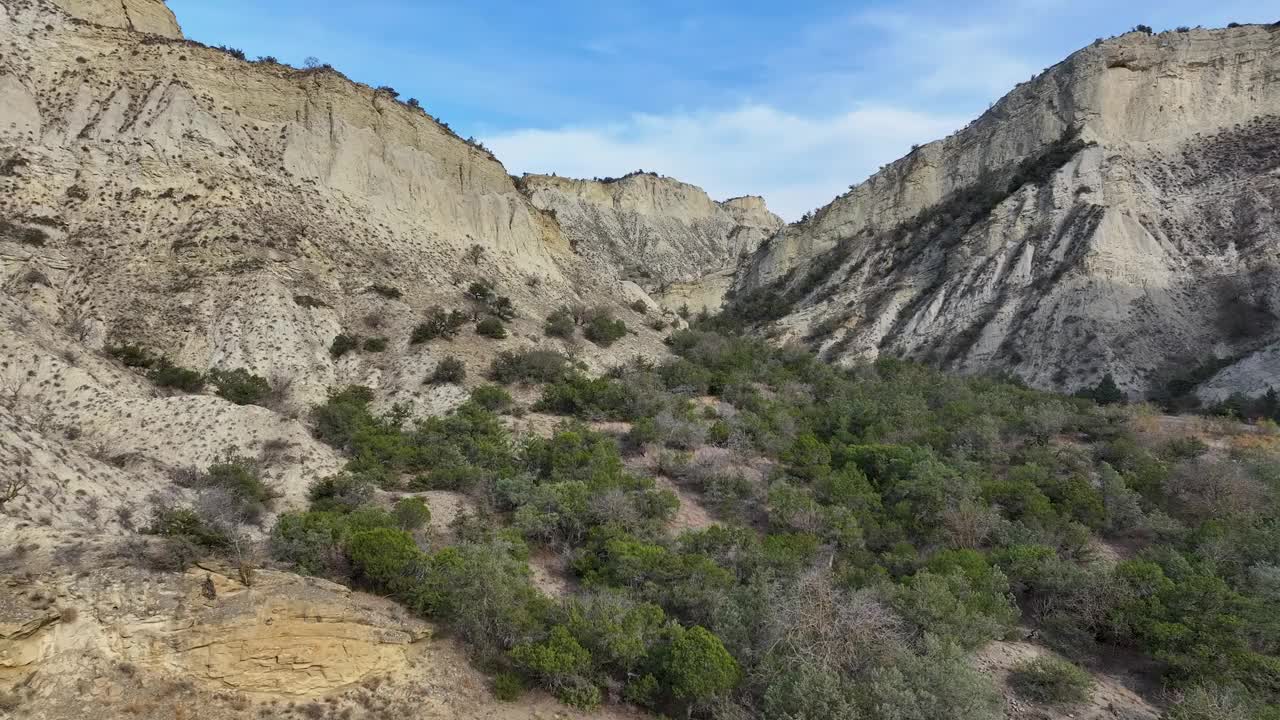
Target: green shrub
(641, 691)
(491, 327)
(239, 479)
(639, 306)
(581, 694)
(484, 295)
(187, 525)
(508, 686)
(590, 398)
(719, 433)
(309, 302)
(387, 291)
(644, 431)
(686, 377)
(806, 690)
(940, 682)
(167, 375)
(602, 329)
(310, 542)
(240, 386)
(492, 398)
(483, 591)
(384, 557)
(789, 553)
(967, 607)
(557, 660)
(345, 417)
(697, 668)
(1106, 392)
(481, 292)
(412, 514)
(366, 518)
(438, 324)
(375, 344)
(1050, 680)
(343, 344)
(560, 323)
(528, 366)
(134, 356)
(449, 370)
(1186, 447)
(340, 493)
(1208, 702)
(502, 308)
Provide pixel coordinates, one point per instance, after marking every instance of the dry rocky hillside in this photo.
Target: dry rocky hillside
(160, 198)
(1117, 213)
(229, 214)
(237, 214)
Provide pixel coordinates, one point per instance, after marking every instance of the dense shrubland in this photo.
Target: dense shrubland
(877, 524)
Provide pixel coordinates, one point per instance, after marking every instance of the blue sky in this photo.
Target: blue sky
(790, 100)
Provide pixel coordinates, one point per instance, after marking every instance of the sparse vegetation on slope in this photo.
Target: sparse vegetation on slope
(922, 514)
(730, 531)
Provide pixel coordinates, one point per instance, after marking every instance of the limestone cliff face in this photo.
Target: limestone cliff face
(145, 16)
(1115, 214)
(237, 214)
(662, 234)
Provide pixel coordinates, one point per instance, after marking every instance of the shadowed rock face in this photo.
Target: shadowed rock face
(1110, 215)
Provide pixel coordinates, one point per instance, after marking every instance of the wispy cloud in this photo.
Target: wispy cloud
(844, 94)
(797, 162)
(937, 57)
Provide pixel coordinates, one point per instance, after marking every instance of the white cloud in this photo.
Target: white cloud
(796, 162)
(973, 57)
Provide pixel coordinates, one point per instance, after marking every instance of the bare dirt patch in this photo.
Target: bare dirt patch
(550, 573)
(691, 515)
(1111, 697)
(446, 506)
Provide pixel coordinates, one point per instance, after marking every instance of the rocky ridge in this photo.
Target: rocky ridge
(236, 214)
(233, 214)
(668, 237)
(1116, 214)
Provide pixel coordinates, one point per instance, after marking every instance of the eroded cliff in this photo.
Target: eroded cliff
(668, 237)
(1115, 214)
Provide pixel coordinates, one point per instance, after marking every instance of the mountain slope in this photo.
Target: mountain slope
(226, 215)
(160, 192)
(1115, 214)
(665, 235)
(230, 215)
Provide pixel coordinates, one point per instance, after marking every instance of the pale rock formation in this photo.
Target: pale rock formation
(668, 237)
(145, 16)
(1115, 214)
(162, 646)
(236, 214)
